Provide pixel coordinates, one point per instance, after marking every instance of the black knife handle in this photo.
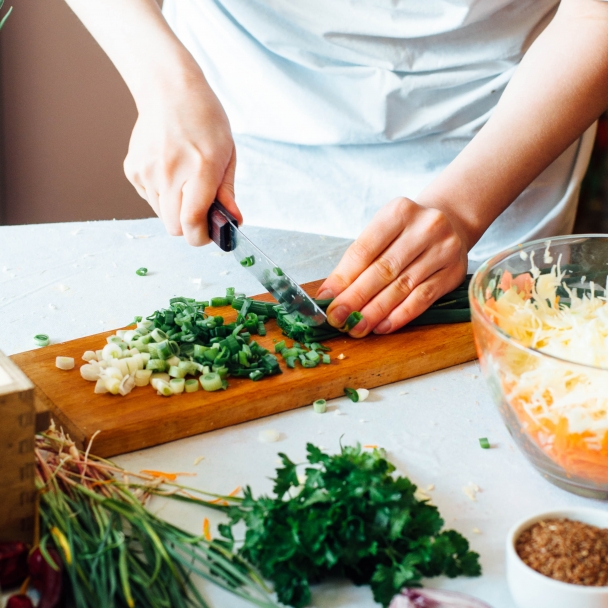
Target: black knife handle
(220, 230)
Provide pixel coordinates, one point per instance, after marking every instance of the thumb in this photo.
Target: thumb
(225, 193)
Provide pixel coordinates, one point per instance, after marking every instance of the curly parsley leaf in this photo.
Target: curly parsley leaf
(350, 517)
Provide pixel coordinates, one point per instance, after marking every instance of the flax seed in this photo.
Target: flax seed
(567, 551)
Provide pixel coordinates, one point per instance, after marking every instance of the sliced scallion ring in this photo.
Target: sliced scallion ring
(142, 272)
(191, 385)
(484, 443)
(41, 340)
(278, 271)
(211, 381)
(320, 406)
(248, 261)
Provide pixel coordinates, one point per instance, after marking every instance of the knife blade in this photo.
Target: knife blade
(225, 232)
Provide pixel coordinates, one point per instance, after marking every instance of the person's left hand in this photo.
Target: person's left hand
(408, 257)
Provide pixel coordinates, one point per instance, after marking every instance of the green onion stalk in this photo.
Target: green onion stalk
(117, 553)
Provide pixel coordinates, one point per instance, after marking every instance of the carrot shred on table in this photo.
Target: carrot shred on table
(165, 476)
(371, 446)
(206, 529)
(235, 491)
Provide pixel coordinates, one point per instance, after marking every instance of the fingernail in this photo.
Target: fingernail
(326, 294)
(338, 315)
(359, 329)
(383, 327)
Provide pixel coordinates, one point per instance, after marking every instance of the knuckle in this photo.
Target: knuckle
(427, 293)
(404, 284)
(387, 267)
(360, 251)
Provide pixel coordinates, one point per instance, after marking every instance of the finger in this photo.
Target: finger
(170, 202)
(197, 196)
(387, 224)
(383, 271)
(379, 307)
(225, 193)
(420, 299)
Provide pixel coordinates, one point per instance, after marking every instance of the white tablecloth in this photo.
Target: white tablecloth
(70, 280)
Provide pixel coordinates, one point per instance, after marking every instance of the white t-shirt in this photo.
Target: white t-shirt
(337, 106)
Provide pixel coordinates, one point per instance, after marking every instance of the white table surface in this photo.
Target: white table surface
(71, 280)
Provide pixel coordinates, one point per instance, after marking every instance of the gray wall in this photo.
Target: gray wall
(66, 121)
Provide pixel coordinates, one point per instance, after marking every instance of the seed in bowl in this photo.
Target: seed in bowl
(567, 551)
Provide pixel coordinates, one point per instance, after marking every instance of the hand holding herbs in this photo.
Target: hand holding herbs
(350, 517)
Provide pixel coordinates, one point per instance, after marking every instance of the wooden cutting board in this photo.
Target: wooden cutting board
(143, 419)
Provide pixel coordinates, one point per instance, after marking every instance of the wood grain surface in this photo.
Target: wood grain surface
(143, 419)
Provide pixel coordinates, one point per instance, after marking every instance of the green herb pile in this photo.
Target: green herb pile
(350, 517)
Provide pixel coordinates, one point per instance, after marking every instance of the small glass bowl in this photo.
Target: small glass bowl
(573, 459)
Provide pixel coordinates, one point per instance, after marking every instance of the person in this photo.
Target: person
(430, 130)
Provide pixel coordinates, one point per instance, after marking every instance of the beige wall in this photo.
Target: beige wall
(67, 118)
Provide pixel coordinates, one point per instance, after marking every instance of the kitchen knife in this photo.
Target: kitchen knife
(224, 231)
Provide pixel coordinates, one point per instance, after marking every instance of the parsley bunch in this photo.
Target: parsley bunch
(350, 517)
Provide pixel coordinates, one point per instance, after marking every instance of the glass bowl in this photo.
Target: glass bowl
(555, 409)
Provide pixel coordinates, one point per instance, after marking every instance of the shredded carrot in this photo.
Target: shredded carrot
(371, 446)
(206, 529)
(221, 500)
(165, 476)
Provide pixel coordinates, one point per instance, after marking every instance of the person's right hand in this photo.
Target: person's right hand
(182, 156)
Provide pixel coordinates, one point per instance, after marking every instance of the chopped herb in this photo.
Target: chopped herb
(352, 394)
(41, 340)
(278, 271)
(352, 320)
(484, 443)
(320, 406)
(142, 272)
(248, 261)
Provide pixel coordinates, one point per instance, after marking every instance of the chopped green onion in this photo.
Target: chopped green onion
(278, 271)
(279, 346)
(158, 335)
(137, 319)
(177, 385)
(219, 302)
(256, 375)
(64, 363)
(320, 406)
(191, 385)
(352, 320)
(211, 381)
(326, 359)
(248, 261)
(352, 394)
(41, 340)
(142, 272)
(484, 443)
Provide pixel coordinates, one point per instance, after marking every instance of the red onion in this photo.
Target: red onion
(435, 598)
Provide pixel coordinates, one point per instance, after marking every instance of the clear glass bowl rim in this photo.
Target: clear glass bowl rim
(475, 286)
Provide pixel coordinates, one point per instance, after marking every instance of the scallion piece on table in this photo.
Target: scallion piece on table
(177, 385)
(248, 261)
(352, 394)
(320, 406)
(142, 272)
(352, 320)
(484, 443)
(278, 271)
(211, 382)
(326, 359)
(41, 340)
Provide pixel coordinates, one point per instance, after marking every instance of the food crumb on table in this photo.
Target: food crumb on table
(471, 490)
